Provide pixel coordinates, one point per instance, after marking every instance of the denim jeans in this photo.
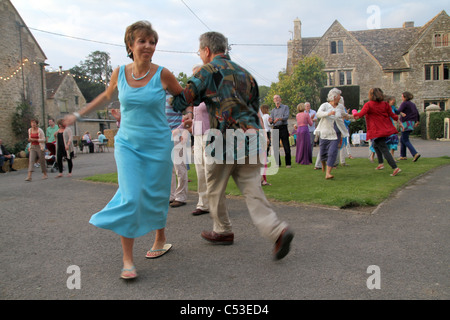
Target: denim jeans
(405, 143)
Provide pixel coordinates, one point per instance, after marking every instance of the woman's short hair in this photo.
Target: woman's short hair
(215, 41)
(35, 120)
(60, 122)
(143, 27)
(333, 94)
(408, 95)
(301, 107)
(376, 94)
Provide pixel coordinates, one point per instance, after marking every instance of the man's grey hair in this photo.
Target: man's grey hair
(333, 94)
(215, 41)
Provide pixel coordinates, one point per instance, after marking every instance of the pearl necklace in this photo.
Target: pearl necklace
(137, 79)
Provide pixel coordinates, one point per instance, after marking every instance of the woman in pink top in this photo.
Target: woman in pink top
(304, 152)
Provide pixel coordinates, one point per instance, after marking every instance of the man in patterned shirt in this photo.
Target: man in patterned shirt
(231, 96)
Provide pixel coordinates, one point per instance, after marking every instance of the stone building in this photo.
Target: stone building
(415, 59)
(23, 78)
(22, 63)
(63, 96)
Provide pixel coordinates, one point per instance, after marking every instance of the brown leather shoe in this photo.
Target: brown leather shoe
(283, 244)
(198, 212)
(177, 204)
(216, 238)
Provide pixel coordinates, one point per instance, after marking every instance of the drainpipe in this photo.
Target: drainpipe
(42, 65)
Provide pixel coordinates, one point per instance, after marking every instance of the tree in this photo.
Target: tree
(21, 120)
(182, 79)
(93, 74)
(303, 85)
(263, 91)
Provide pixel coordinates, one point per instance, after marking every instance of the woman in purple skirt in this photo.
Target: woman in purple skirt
(304, 152)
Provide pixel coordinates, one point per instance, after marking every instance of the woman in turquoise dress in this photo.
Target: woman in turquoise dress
(143, 147)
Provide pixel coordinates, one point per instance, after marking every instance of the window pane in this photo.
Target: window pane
(427, 72)
(340, 46)
(435, 72)
(397, 76)
(349, 77)
(331, 78)
(437, 40)
(333, 47)
(446, 75)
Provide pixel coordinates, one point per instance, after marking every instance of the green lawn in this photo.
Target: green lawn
(358, 184)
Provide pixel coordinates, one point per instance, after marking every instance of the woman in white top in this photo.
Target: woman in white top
(331, 129)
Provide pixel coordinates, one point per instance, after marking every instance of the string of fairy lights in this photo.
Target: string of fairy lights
(17, 71)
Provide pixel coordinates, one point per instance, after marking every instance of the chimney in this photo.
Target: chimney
(408, 24)
(297, 29)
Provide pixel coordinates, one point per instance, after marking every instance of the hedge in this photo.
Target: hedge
(436, 125)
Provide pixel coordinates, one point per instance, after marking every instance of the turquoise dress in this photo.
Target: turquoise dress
(143, 147)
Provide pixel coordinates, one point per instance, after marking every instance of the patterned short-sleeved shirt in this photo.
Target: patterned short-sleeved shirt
(232, 98)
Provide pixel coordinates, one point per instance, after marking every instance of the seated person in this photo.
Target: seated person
(101, 137)
(5, 156)
(87, 138)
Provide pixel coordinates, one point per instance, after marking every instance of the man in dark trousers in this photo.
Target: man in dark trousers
(279, 118)
(5, 156)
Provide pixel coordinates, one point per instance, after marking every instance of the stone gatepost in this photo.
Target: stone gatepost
(430, 109)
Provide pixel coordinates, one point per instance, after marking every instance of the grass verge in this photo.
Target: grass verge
(357, 185)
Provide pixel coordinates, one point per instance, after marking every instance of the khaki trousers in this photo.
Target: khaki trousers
(37, 153)
(179, 185)
(248, 179)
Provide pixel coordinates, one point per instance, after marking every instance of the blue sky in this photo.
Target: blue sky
(179, 24)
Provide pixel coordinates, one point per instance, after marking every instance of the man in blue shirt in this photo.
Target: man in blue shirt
(279, 118)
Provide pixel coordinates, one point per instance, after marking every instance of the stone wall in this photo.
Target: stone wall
(354, 58)
(425, 53)
(18, 49)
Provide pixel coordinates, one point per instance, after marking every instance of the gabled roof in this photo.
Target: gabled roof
(54, 80)
(388, 46)
(308, 44)
(428, 26)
